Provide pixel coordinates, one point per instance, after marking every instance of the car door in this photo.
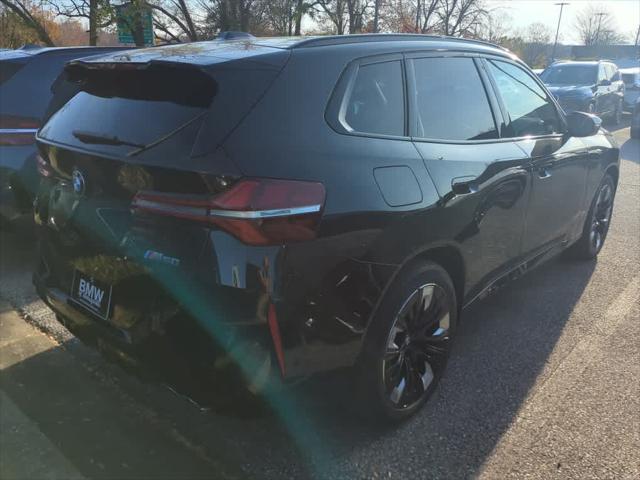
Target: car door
(558, 163)
(454, 123)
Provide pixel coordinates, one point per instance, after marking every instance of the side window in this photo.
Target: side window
(615, 73)
(530, 110)
(602, 73)
(376, 102)
(451, 102)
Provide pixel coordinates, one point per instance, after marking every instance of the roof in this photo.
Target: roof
(220, 50)
(32, 50)
(631, 70)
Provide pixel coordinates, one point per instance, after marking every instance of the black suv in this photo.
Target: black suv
(594, 87)
(27, 76)
(300, 205)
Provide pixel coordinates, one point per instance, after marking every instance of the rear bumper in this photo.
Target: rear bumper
(310, 319)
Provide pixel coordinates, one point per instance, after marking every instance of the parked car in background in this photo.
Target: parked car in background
(26, 78)
(307, 204)
(594, 87)
(635, 120)
(631, 79)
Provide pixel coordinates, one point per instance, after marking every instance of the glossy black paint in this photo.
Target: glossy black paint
(486, 210)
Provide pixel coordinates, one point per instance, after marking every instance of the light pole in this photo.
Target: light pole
(555, 43)
(599, 15)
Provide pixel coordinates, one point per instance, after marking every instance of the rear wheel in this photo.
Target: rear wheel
(596, 225)
(408, 343)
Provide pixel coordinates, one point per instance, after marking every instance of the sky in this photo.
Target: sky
(524, 12)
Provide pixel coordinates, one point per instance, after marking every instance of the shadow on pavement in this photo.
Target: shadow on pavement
(630, 150)
(503, 344)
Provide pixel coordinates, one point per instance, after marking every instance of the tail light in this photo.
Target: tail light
(256, 211)
(17, 130)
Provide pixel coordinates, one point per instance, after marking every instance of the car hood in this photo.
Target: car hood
(570, 90)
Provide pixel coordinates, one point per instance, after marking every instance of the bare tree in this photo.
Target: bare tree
(495, 27)
(335, 13)
(174, 20)
(458, 17)
(596, 26)
(537, 40)
(25, 11)
(97, 13)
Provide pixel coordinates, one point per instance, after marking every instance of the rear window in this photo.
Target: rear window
(8, 68)
(28, 90)
(376, 102)
(154, 111)
(629, 79)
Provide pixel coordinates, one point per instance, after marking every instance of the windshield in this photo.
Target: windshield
(571, 75)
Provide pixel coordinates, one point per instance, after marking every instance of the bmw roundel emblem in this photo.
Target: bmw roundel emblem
(79, 184)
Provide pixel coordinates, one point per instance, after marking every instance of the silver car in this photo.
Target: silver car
(631, 79)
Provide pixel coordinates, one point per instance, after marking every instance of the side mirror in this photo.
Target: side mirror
(583, 124)
(605, 83)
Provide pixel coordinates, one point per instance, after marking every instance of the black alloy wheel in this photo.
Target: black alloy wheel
(409, 341)
(597, 223)
(417, 346)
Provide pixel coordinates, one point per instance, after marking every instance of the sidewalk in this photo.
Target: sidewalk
(58, 421)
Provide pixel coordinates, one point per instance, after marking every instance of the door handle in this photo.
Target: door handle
(544, 173)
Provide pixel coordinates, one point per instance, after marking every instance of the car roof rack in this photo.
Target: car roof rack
(386, 37)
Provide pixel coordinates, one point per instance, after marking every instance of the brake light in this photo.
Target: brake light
(256, 211)
(18, 130)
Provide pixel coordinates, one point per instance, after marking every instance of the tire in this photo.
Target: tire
(408, 343)
(596, 226)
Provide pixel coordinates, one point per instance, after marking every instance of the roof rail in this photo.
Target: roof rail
(231, 35)
(384, 37)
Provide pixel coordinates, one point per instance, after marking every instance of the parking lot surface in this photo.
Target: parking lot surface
(544, 382)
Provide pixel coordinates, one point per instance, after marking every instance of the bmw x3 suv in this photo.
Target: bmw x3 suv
(300, 205)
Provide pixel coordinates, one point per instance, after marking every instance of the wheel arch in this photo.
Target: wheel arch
(614, 172)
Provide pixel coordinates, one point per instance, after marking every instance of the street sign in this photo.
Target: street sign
(125, 19)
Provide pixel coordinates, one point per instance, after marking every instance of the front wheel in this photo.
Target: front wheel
(408, 343)
(597, 223)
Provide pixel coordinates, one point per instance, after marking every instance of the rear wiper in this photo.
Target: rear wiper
(100, 139)
(144, 148)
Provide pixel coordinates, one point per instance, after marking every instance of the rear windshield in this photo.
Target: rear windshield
(8, 68)
(155, 111)
(571, 75)
(27, 90)
(629, 78)
(120, 112)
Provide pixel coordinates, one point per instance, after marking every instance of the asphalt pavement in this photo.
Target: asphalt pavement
(544, 382)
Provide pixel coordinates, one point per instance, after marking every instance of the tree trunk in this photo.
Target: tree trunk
(298, 28)
(376, 16)
(93, 22)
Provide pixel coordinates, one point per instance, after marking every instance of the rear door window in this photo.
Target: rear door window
(28, 91)
(450, 101)
(528, 106)
(375, 104)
